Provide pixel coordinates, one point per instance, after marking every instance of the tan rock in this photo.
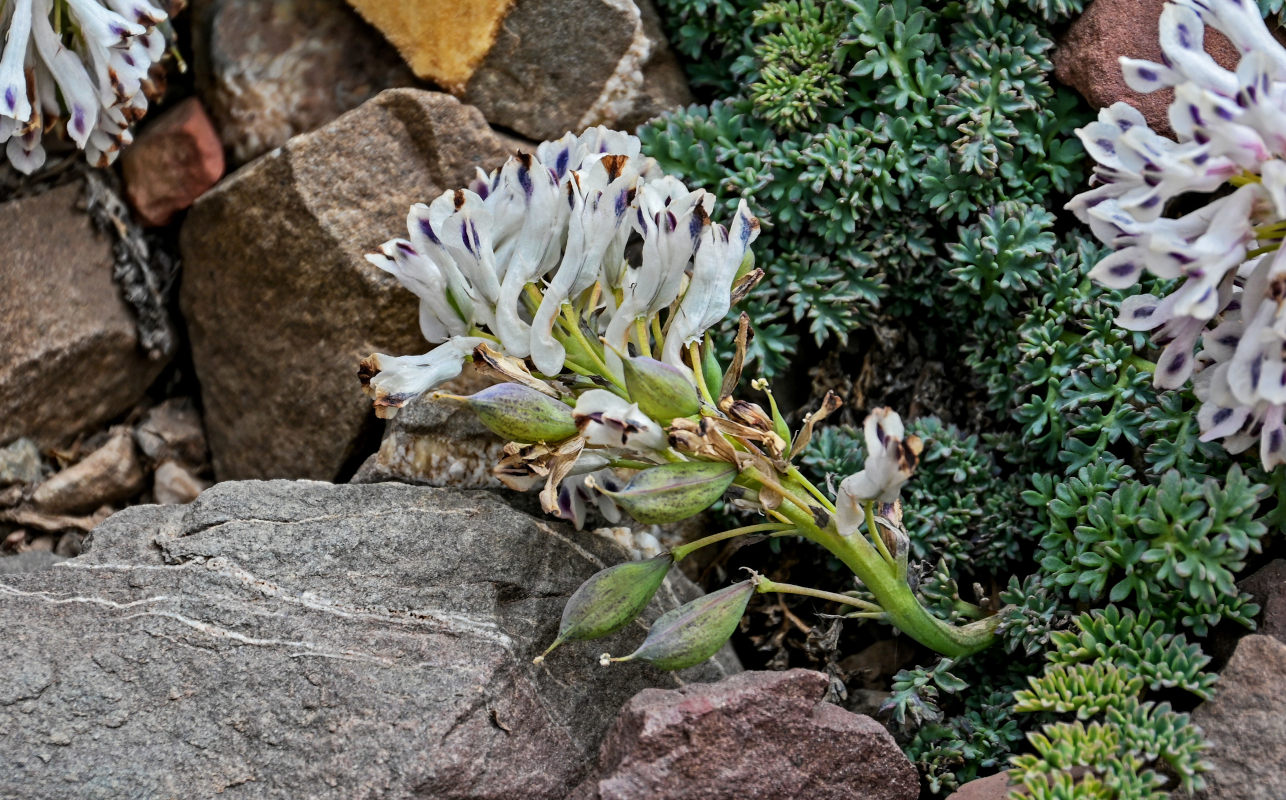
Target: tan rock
(110, 473)
(174, 484)
(174, 160)
(1088, 55)
(271, 69)
(442, 40)
(70, 358)
(281, 304)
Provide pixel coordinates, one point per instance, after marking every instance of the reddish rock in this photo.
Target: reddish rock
(1088, 55)
(992, 787)
(753, 735)
(175, 159)
(1245, 724)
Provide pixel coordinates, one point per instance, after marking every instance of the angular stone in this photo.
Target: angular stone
(437, 443)
(172, 430)
(30, 561)
(1268, 586)
(112, 472)
(540, 67)
(299, 639)
(174, 483)
(992, 787)
(19, 462)
(172, 162)
(756, 734)
(1245, 724)
(441, 40)
(70, 358)
(270, 70)
(281, 304)
(1088, 55)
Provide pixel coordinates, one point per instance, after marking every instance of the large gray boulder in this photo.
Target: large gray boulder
(299, 639)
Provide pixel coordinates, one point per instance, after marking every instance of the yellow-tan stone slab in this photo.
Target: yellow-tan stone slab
(442, 40)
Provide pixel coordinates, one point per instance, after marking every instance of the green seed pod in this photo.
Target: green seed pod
(710, 369)
(663, 392)
(522, 414)
(674, 492)
(694, 631)
(609, 599)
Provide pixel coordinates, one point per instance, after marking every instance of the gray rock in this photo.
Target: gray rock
(19, 462)
(1245, 724)
(280, 302)
(271, 70)
(565, 65)
(30, 561)
(756, 734)
(300, 639)
(436, 443)
(70, 358)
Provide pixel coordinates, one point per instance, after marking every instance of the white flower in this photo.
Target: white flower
(891, 458)
(394, 380)
(91, 74)
(1225, 256)
(607, 420)
(533, 256)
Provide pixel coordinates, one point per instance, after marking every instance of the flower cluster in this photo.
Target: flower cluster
(1224, 259)
(529, 265)
(83, 63)
(584, 281)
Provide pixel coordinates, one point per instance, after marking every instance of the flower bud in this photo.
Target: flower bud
(520, 413)
(694, 631)
(609, 599)
(674, 492)
(663, 392)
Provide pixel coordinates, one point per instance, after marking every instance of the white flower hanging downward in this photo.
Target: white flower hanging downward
(1225, 258)
(82, 63)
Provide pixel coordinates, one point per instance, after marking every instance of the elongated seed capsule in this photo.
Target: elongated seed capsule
(710, 368)
(520, 413)
(609, 599)
(674, 492)
(663, 392)
(694, 631)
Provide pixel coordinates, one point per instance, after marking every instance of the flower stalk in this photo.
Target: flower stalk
(612, 398)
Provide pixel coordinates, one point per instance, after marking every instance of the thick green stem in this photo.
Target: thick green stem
(901, 607)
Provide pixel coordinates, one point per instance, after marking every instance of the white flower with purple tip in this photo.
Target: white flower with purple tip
(91, 74)
(1222, 323)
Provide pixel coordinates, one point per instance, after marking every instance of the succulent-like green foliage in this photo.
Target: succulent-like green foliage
(1118, 745)
(1174, 545)
(896, 149)
(910, 161)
